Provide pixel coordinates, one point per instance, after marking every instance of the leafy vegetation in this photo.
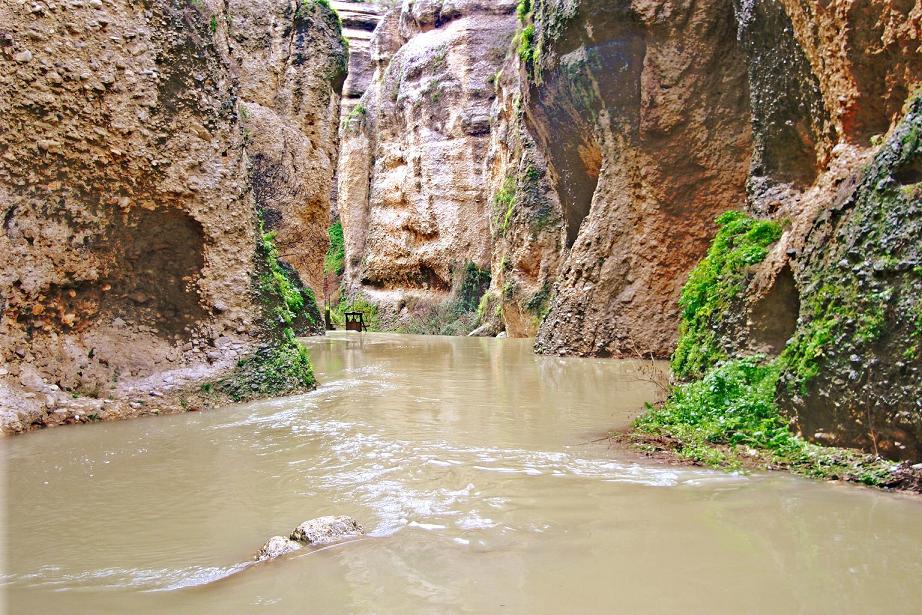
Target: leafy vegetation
(713, 285)
(912, 351)
(828, 310)
(523, 10)
(335, 260)
(484, 304)
(278, 281)
(272, 369)
(355, 115)
(458, 316)
(729, 419)
(474, 282)
(283, 364)
(504, 204)
(526, 48)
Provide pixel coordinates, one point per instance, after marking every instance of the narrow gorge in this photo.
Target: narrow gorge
(633, 245)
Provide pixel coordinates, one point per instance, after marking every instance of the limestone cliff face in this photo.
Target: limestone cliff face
(640, 117)
(359, 21)
(127, 256)
(642, 112)
(411, 193)
(644, 120)
(292, 66)
(526, 220)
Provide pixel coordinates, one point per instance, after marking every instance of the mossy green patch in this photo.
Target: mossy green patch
(335, 260)
(484, 305)
(474, 281)
(526, 47)
(280, 365)
(274, 369)
(504, 204)
(523, 10)
(355, 117)
(729, 418)
(714, 284)
(279, 280)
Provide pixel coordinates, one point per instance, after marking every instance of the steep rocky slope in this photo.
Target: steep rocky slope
(644, 120)
(288, 58)
(635, 127)
(359, 20)
(622, 129)
(411, 180)
(131, 173)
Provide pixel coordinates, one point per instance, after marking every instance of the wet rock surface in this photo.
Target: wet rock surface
(314, 532)
(275, 547)
(327, 530)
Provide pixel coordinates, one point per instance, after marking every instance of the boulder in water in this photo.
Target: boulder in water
(276, 547)
(327, 530)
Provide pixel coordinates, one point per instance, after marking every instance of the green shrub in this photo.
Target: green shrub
(474, 282)
(504, 203)
(523, 10)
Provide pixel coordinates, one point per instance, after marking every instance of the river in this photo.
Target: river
(477, 468)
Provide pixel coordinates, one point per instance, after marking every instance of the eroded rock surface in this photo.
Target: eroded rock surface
(130, 226)
(411, 195)
(643, 116)
(359, 21)
(275, 547)
(622, 129)
(292, 66)
(327, 530)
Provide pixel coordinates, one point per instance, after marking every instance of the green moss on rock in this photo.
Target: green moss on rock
(335, 260)
(850, 373)
(274, 369)
(729, 419)
(859, 323)
(713, 287)
(281, 365)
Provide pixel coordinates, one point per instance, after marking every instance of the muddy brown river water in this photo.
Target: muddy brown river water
(470, 462)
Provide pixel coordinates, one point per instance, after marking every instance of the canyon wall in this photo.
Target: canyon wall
(359, 20)
(412, 195)
(290, 65)
(622, 129)
(138, 145)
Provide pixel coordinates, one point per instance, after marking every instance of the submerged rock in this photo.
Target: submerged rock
(327, 530)
(276, 547)
(316, 532)
(487, 329)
